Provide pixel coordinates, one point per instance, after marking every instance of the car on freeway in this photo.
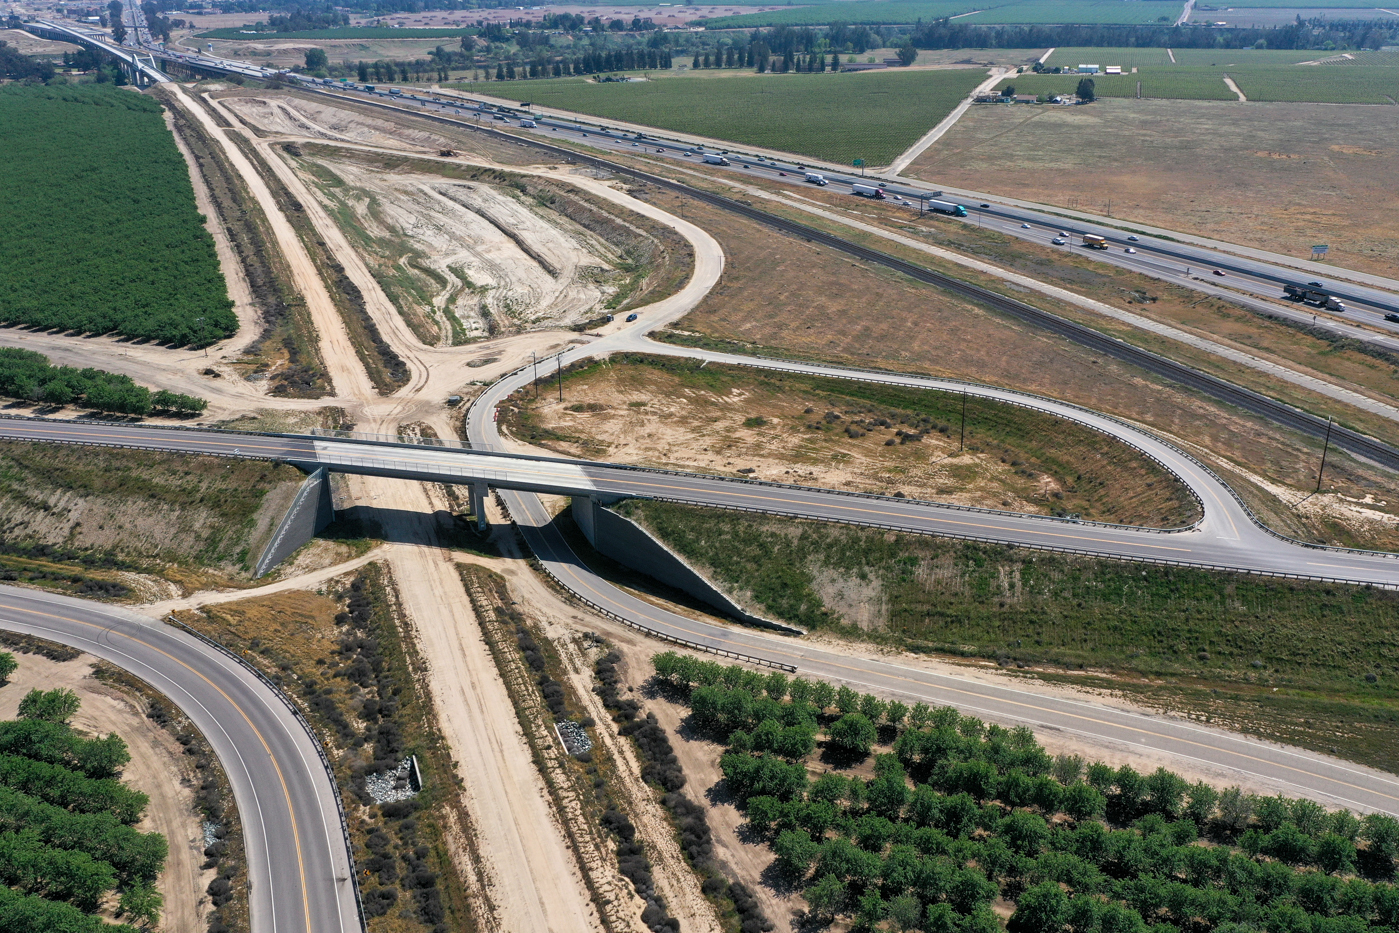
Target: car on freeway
(1024, 226)
(1063, 233)
(1058, 241)
(1219, 273)
(882, 185)
(1129, 250)
(1316, 285)
(631, 317)
(783, 174)
(986, 205)
(634, 145)
(1134, 238)
(1392, 317)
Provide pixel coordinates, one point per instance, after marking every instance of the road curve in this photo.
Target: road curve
(298, 863)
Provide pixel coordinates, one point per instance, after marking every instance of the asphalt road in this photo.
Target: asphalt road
(1226, 537)
(298, 864)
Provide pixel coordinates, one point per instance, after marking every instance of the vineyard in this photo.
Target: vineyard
(837, 117)
(1321, 84)
(1017, 12)
(1079, 12)
(98, 227)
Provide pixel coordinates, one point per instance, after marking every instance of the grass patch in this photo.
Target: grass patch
(839, 117)
(1317, 663)
(1077, 12)
(105, 509)
(98, 227)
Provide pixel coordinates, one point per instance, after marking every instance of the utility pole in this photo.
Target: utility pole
(534, 361)
(962, 444)
(559, 360)
(1324, 448)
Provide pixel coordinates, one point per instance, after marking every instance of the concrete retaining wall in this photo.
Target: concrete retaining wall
(310, 511)
(628, 543)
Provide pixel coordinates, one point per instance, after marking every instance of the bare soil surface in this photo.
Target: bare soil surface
(786, 430)
(158, 767)
(1276, 176)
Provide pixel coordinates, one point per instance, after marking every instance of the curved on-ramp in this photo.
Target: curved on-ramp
(299, 872)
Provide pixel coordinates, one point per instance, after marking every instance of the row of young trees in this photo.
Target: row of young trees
(27, 375)
(959, 813)
(66, 823)
(99, 231)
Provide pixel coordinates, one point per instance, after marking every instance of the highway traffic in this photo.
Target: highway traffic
(298, 863)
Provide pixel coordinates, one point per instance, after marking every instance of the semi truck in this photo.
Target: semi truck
(816, 178)
(713, 158)
(867, 191)
(1093, 241)
(947, 207)
(1311, 295)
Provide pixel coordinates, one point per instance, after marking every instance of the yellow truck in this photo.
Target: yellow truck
(1093, 241)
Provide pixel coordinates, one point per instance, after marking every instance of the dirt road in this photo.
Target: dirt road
(345, 373)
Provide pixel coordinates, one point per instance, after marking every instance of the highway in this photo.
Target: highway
(298, 863)
(1225, 538)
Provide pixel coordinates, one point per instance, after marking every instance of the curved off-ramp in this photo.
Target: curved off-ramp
(298, 863)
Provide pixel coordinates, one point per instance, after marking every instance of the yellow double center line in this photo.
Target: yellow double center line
(286, 793)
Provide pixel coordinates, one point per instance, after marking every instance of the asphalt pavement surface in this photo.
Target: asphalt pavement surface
(298, 862)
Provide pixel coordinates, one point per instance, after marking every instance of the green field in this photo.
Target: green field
(1244, 58)
(956, 814)
(855, 12)
(1358, 84)
(1008, 12)
(1263, 81)
(342, 32)
(1078, 12)
(1201, 11)
(837, 117)
(1172, 84)
(1127, 58)
(99, 232)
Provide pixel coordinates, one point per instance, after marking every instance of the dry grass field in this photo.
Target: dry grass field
(1277, 176)
(780, 295)
(819, 432)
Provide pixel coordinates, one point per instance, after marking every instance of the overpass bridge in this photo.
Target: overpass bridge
(1226, 537)
(139, 65)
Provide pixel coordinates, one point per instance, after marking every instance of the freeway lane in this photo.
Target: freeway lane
(1226, 536)
(298, 864)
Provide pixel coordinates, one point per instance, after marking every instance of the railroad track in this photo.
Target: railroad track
(1220, 389)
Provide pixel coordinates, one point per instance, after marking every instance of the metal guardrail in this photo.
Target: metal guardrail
(645, 629)
(311, 734)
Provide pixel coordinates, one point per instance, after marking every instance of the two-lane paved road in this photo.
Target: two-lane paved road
(298, 863)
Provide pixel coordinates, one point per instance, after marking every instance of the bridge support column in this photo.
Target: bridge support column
(479, 493)
(310, 512)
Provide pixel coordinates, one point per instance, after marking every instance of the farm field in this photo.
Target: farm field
(1084, 12)
(1322, 84)
(1139, 57)
(873, 12)
(1263, 17)
(343, 32)
(952, 816)
(99, 232)
(1169, 84)
(839, 117)
(1212, 169)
